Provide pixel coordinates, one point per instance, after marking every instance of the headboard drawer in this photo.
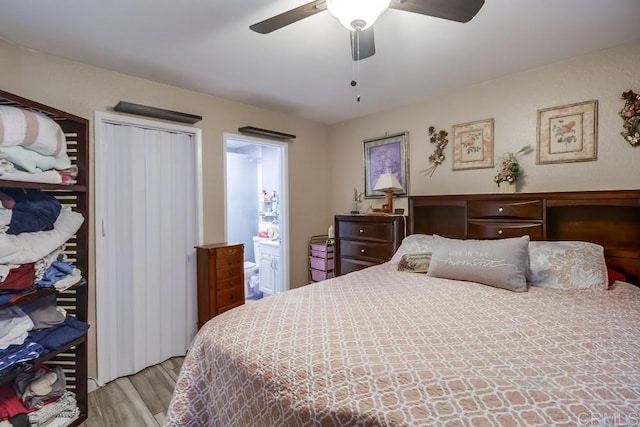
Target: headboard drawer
(502, 230)
(524, 209)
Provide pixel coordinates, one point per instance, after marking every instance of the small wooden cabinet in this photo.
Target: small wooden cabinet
(366, 240)
(220, 279)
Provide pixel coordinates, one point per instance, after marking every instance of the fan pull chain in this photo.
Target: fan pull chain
(355, 68)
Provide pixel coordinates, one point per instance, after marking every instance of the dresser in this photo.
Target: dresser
(365, 240)
(220, 279)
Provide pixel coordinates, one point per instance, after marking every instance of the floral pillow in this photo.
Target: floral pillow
(415, 263)
(413, 244)
(567, 265)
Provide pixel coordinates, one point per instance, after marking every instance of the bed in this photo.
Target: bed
(383, 347)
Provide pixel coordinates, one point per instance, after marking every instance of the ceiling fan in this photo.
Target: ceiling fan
(359, 15)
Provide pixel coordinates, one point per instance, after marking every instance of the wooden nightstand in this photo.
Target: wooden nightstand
(220, 271)
(366, 240)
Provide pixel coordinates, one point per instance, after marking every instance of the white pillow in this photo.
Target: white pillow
(413, 244)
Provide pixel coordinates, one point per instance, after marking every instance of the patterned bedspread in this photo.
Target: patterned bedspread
(385, 348)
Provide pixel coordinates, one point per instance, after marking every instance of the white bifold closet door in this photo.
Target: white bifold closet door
(146, 228)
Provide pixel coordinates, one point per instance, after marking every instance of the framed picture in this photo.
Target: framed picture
(473, 145)
(386, 154)
(568, 133)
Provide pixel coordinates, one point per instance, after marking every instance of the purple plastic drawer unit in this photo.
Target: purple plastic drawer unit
(318, 275)
(320, 250)
(321, 263)
(321, 258)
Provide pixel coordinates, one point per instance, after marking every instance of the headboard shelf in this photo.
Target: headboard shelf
(608, 218)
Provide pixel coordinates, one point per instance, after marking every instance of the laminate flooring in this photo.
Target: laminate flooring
(140, 400)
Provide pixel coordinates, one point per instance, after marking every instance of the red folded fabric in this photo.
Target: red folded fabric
(20, 278)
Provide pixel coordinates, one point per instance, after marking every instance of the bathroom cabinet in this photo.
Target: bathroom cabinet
(270, 271)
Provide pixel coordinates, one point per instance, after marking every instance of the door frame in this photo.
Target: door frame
(284, 196)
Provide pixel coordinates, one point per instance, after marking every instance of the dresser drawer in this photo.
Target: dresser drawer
(348, 265)
(526, 209)
(501, 230)
(376, 252)
(230, 273)
(234, 282)
(229, 299)
(229, 257)
(366, 231)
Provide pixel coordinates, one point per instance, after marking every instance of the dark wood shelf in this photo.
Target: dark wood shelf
(72, 356)
(42, 186)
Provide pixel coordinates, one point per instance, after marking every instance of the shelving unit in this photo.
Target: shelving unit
(321, 258)
(72, 357)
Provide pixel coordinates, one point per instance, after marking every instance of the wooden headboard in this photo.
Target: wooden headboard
(608, 218)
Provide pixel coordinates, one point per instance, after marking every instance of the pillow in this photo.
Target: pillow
(501, 263)
(416, 263)
(31, 130)
(413, 244)
(567, 265)
(615, 275)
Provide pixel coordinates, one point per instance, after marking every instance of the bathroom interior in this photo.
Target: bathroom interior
(253, 203)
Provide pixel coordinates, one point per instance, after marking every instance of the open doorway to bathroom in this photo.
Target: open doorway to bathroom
(256, 211)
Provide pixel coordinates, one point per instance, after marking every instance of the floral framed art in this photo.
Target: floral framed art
(473, 145)
(568, 133)
(386, 154)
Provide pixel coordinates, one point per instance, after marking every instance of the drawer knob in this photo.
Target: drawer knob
(361, 230)
(500, 209)
(361, 251)
(499, 231)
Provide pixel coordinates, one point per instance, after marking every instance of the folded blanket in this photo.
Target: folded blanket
(30, 247)
(32, 161)
(48, 177)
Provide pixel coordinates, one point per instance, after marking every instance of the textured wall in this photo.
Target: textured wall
(513, 103)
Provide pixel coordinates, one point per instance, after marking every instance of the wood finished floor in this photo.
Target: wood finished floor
(140, 400)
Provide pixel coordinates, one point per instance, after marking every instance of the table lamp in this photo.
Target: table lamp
(387, 183)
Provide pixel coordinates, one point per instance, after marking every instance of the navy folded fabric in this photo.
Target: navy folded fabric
(33, 211)
(56, 336)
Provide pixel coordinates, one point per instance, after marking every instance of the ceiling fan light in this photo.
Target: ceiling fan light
(350, 11)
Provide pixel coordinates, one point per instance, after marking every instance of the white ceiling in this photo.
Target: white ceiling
(305, 69)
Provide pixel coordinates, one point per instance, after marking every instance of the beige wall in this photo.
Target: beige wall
(513, 103)
(82, 90)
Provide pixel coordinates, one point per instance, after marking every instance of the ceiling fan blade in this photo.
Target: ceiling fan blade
(289, 17)
(453, 10)
(366, 44)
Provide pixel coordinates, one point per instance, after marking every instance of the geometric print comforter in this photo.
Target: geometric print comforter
(380, 347)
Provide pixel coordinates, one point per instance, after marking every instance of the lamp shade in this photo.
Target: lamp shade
(350, 12)
(387, 182)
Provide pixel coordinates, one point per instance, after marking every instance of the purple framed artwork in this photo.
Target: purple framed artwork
(386, 154)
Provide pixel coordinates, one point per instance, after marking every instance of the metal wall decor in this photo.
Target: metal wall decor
(631, 115)
(440, 140)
